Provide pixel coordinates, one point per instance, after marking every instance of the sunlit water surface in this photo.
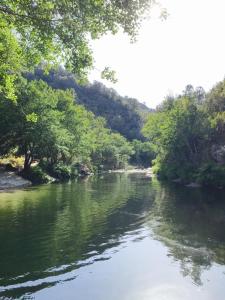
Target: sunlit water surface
(116, 236)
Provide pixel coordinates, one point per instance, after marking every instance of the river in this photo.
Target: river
(112, 237)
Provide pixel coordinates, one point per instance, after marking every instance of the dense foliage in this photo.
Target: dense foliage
(188, 134)
(143, 153)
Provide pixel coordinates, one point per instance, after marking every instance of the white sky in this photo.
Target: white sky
(187, 48)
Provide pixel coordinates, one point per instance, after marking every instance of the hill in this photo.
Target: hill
(123, 114)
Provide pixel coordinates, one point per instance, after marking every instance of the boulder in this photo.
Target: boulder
(218, 153)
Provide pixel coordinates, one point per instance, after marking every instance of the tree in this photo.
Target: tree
(215, 109)
(179, 136)
(215, 99)
(112, 151)
(143, 153)
(40, 129)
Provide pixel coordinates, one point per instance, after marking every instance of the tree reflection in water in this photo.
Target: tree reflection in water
(190, 222)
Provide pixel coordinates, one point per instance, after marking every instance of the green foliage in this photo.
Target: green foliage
(47, 125)
(215, 99)
(109, 74)
(61, 171)
(178, 130)
(143, 153)
(11, 60)
(215, 108)
(112, 152)
(36, 175)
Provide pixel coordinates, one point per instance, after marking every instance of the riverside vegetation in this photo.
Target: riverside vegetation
(69, 128)
(188, 134)
(45, 124)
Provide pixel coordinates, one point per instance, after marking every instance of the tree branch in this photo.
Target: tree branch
(8, 11)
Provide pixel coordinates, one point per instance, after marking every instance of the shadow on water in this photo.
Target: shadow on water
(49, 232)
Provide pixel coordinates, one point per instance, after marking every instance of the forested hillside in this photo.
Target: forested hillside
(122, 114)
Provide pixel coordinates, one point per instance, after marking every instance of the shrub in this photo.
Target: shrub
(36, 175)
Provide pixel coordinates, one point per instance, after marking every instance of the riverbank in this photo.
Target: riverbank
(10, 180)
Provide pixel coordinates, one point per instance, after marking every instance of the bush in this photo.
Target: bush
(36, 175)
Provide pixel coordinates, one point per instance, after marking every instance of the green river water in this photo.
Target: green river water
(112, 237)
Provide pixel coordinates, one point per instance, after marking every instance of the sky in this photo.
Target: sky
(186, 48)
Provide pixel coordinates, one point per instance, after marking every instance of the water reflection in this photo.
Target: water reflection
(52, 234)
(52, 230)
(191, 224)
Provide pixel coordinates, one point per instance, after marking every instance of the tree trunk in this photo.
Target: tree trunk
(27, 161)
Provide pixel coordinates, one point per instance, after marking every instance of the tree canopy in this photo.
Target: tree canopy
(60, 31)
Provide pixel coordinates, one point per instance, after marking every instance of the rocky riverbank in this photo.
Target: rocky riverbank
(10, 180)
